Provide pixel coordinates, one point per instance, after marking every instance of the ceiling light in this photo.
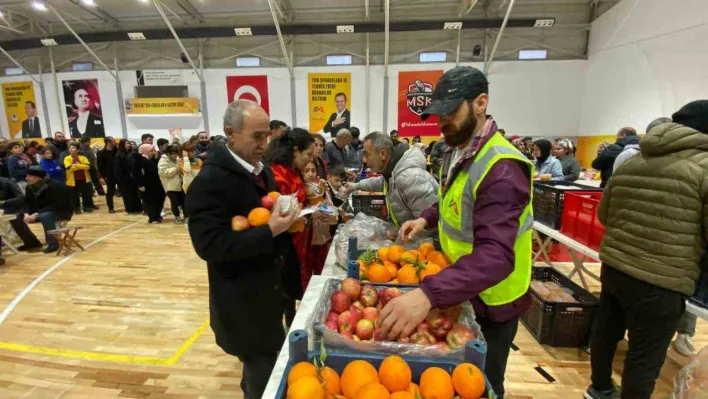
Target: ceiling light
(49, 42)
(243, 31)
(144, 1)
(89, 3)
(345, 28)
(39, 6)
(453, 25)
(136, 35)
(1, 14)
(533, 54)
(544, 23)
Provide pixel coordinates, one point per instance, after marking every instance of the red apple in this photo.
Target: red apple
(267, 202)
(340, 302)
(369, 296)
(332, 316)
(358, 305)
(356, 312)
(458, 336)
(370, 314)
(352, 287)
(378, 336)
(423, 338)
(239, 223)
(423, 327)
(332, 325)
(347, 335)
(365, 329)
(387, 294)
(440, 323)
(346, 322)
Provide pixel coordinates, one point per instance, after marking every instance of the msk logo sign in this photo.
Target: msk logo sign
(419, 96)
(318, 109)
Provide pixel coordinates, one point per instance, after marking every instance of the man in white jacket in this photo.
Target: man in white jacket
(169, 171)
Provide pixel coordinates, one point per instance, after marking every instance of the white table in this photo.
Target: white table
(589, 183)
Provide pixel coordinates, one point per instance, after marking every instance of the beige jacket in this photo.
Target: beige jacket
(169, 174)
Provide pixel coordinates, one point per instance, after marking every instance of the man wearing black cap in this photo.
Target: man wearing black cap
(48, 202)
(484, 220)
(654, 212)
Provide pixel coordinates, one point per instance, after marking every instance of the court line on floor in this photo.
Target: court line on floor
(51, 269)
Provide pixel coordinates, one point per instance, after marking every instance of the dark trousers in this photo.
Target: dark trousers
(499, 336)
(255, 375)
(49, 222)
(131, 198)
(81, 192)
(176, 201)
(651, 315)
(23, 231)
(96, 181)
(153, 201)
(110, 192)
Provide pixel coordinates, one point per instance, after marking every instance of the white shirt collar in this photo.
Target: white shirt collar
(339, 114)
(256, 170)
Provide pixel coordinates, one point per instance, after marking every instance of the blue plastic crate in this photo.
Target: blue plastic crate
(475, 353)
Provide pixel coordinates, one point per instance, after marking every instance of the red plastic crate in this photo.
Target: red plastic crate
(580, 221)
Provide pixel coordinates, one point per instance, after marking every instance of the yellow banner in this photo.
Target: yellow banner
(19, 107)
(329, 99)
(587, 148)
(187, 105)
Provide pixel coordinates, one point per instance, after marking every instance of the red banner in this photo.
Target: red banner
(254, 88)
(415, 92)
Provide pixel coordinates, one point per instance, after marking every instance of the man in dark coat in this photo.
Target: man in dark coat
(606, 156)
(49, 202)
(12, 201)
(245, 267)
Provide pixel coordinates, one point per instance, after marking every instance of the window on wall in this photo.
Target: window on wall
(248, 61)
(433, 56)
(343, 59)
(533, 54)
(82, 66)
(13, 71)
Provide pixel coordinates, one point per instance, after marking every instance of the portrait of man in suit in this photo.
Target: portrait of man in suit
(341, 119)
(30, 126)
(83, 108)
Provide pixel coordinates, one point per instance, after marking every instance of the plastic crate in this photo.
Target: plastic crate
(475, 353)
(558, 324)
(372, 205)
(548, 201)
(580, 221)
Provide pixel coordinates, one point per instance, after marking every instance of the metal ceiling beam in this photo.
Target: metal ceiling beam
(545, 45)
(174, 13)
(489, 62)
(98, 13)
(285, 9)
(242, 52)
(14, 61)
(53, 10)
(288, 62)
(81, 56)
(27, 19)
(151, 53)
(189, 9)
(343, 50)
(464, 10)
(179, 42)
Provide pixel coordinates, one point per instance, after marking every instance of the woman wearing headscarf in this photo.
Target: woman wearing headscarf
(148, 180)
(122, 168)
(565, 152)
(546, 164)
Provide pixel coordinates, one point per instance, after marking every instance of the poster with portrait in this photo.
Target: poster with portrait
(254, 88)
(329, 99)
(83, 108)
(415, 93)
(21, 110)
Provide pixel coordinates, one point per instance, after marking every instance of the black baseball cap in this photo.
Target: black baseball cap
(455, 86)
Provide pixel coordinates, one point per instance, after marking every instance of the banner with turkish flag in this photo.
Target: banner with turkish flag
(254, 88)
(415, 93)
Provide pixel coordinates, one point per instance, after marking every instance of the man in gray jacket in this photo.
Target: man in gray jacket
(409, 188)
(631, 150)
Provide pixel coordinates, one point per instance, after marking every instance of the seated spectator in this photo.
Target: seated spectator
(546, 164)
(78, 179)
(18, 165)
(565, 152)
(12, 200)
(168, 169)
(336, 150)
(189, 166)
(48, 202)
(52, 167)
(355, 151)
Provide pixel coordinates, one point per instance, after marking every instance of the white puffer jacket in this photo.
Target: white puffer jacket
(169, 174)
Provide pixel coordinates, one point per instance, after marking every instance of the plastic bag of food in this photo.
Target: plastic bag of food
(371, 232)
(692, 381)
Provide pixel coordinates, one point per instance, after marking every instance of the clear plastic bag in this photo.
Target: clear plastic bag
(692, 381)
(370, 232)
(462, 315)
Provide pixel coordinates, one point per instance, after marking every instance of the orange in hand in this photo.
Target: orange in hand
(468, 381)
(274, 195)
(357, 374)
(395, 374)
(259, 217)
(436, 383)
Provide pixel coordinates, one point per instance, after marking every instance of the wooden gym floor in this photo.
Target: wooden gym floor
(129, 318)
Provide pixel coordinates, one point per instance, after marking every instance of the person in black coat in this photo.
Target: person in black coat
(105, 160)
(338, 120)
(122, 169)
(148, 181)
(606, 156)
(12, 201)
(49, 202)
(249, 269)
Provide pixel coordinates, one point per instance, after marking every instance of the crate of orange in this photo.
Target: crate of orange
(346, 375)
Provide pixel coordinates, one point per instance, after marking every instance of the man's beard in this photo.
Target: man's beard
(203, 142)
(455, 137)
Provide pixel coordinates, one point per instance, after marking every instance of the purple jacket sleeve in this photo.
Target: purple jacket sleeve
(501, 199)
(431, 216)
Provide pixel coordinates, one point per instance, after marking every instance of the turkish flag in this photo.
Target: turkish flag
(254, 88)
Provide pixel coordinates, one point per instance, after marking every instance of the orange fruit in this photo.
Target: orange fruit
(395, 374)
(297, 227)
(378, 273)
(394, 253)
(392, 268)
(331, 381)
(468, 381)
(430, 269)
(302, 369)
(307, 387)
(357, 374)
(382, 253)
(372, 391)
(274, 195)
(412, 257)
(258, 217)
(439, 259)
(363, 271)
(426, 247)
(407, 275)
(402, 395)
(413, 389)
(436, 383)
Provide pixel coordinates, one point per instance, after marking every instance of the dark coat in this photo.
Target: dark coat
(122, 168)
(12, 197)
(28, 133)
(94, 128)
(333, 130)
(248, 270)
(145, 175)
(605, 160)
(49, 196)
(106, 160)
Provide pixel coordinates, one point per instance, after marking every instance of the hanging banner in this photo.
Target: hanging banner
(254, 88)
(160, 78)
(587, 147)
(329, 97)
(21, 110)
(415, 93)
(187, 105)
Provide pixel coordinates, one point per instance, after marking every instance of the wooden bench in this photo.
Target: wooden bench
(66, 235)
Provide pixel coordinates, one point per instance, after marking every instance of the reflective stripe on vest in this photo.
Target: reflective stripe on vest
(456, 220)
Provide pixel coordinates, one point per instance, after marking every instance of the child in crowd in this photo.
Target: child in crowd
(335, 179)
(169, 169)
(18, 164)
(189, 165)
(321, 222)
(53, 168)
